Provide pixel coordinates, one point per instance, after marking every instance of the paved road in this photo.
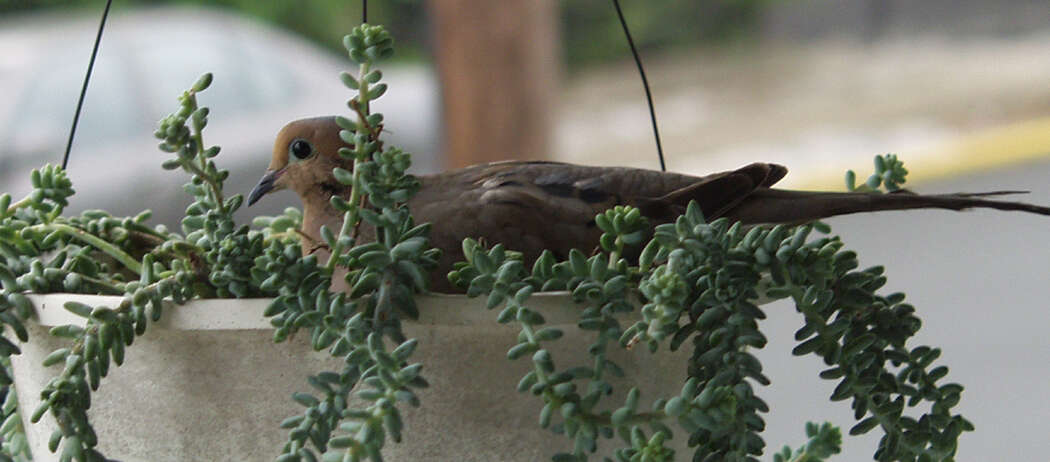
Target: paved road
(979, 281)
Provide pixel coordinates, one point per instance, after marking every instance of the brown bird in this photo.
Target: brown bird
(534, 205)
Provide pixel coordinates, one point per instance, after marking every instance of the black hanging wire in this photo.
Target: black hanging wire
(645, 83)
(83, 89)
(364, 20)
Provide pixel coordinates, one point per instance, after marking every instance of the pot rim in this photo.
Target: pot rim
(247, 313)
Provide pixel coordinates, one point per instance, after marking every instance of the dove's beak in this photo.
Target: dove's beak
(266, 184)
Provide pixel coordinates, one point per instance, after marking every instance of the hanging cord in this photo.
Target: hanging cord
(83, 89)
(364, 20)
(645, 83)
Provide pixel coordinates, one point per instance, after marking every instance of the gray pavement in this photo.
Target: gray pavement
(979, 281)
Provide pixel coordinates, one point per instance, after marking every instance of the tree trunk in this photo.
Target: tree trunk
(498, 64)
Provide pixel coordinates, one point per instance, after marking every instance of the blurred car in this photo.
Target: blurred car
(264, 78)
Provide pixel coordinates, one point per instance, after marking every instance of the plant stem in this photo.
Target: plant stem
(216, 190)
(614, 256)
(103, 284)
(349, 218)
(383, 299)
(352, 216)
(541, 375)
(17, 205)
(109, 249)
(199, 170)
(801, 457)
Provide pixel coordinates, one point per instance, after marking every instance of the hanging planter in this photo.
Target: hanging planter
(648, 334)
(207, 382)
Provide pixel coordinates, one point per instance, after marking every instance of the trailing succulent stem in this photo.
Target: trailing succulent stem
(824, 441)
(96, 253)
(383, 276)
(889, 173)
(699, 282)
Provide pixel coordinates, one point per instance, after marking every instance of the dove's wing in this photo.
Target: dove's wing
(532, 206)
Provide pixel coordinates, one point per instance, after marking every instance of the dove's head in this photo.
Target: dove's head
(304, 155)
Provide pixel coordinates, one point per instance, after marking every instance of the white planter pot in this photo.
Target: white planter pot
(207, 383)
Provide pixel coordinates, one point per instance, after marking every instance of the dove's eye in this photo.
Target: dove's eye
(300, 149)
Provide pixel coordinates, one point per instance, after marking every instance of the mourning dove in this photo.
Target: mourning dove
(530, 206)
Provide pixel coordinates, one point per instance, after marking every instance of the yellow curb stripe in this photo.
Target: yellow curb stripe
(995, 147)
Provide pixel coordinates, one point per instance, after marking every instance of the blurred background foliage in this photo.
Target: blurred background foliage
(322, 21)
(590, 30)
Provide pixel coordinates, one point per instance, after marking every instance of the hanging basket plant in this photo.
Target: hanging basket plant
(686, 292)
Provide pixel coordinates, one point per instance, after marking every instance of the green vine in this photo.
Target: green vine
(698, 282)
(97, 253)
(383, 276)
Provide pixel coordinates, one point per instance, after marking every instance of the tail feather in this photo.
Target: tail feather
(784, 206)
(991, 193)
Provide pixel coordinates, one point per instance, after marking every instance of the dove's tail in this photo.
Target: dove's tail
(768, 205)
